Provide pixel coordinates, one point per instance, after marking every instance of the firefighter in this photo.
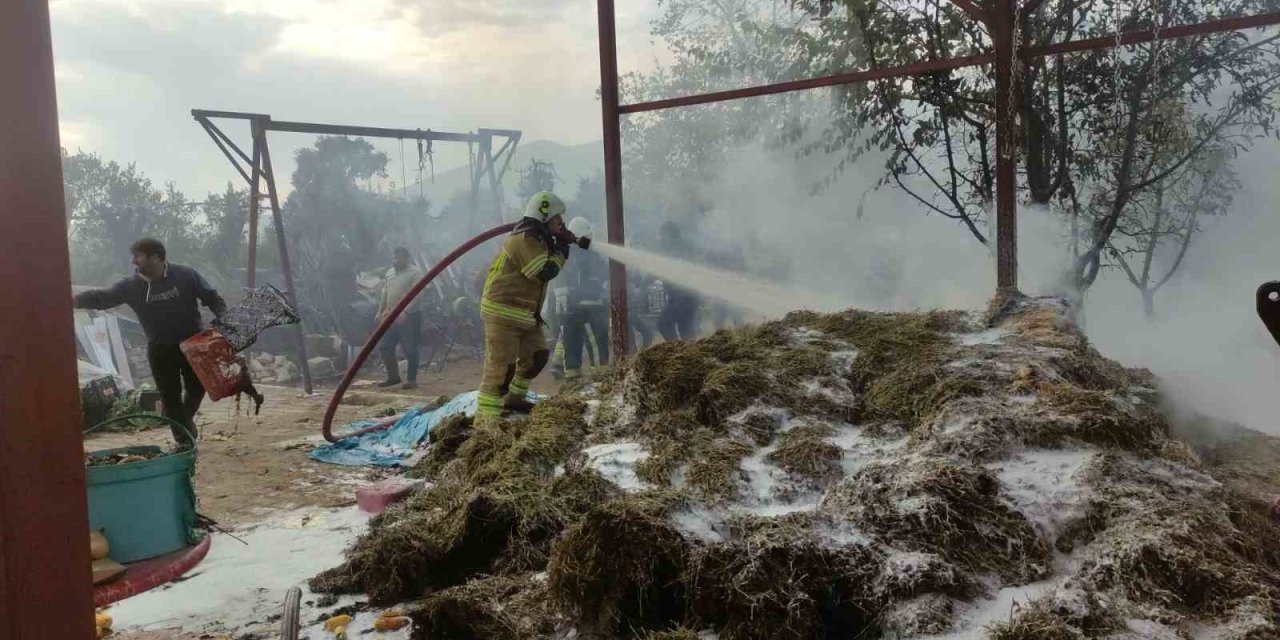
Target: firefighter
(583, 315)
(515, 350)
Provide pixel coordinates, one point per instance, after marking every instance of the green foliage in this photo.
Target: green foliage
(339, 225)
(1099, 131)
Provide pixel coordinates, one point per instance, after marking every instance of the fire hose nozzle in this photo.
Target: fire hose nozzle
(583, 242)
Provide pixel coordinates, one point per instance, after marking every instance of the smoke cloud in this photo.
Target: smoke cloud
(876, 249)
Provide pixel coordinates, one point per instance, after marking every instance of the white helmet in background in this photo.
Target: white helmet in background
(580, 227)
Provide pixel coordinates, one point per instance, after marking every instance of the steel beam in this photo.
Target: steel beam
(209, 128)
(45, 580)
(915, 69)
(619, 327)
(255, 204)
(286, 265)
(1153, 35)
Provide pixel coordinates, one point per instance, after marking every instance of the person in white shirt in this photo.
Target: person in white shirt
(407, 331)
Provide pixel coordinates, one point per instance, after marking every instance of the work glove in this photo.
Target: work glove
(562, 246)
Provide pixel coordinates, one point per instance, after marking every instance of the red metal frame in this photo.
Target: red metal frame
(999, 22)
(45, 580)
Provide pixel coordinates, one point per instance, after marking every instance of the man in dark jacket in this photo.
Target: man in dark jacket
(581, 310)
(164, 295)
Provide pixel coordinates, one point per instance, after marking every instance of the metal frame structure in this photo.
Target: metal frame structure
(996, 15)
(257, 170)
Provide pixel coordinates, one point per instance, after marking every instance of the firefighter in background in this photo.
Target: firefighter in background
(583, 316)
(515, 350)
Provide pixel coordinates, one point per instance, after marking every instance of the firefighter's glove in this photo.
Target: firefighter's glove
(562, 246)
(584, 243)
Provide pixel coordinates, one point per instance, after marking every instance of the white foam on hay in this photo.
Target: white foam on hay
(990, 336)
(616, 461)
(971, 620)
(860, 450)
(1047, 486)
(700, 523)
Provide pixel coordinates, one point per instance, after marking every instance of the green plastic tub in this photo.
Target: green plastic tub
(145, 508)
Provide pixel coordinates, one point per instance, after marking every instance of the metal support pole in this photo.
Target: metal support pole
(45, 581)
(259, 137)
(484, 162)
(495, 185)
(619, 329)
(285, 265)
(1006, 148)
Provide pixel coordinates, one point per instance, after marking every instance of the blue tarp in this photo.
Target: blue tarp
(389, 447)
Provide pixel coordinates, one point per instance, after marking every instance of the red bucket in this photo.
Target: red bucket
(215, 362)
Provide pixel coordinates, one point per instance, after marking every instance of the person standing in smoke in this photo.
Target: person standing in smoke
(407, 330)
(583, 315)
(679, 318)
(515, 350)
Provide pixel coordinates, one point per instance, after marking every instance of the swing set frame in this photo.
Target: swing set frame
(257, 171)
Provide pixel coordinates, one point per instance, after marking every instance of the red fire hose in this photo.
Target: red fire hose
(386, 324)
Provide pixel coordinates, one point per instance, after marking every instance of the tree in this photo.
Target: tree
(1088, 138)
(716, 44)
(539, 176)
(110, 206)
(338, 226)
(1158, 237)
(1089, 123)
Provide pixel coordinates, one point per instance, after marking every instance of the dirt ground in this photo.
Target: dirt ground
(249, 466)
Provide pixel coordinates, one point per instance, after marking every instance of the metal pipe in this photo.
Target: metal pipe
(619, 329)
(251, 276)
(286, 265)
(45, 579)
(918, 68)
(385, 326)
(1153, 35)
(208, 128)
(1001, 21)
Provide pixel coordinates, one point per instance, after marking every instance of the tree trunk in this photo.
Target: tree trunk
(1149, 304)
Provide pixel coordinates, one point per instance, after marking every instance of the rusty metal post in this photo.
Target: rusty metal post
(619, 328)
(256, 179)
(45, 580)
(285, 265)
(1002, 27)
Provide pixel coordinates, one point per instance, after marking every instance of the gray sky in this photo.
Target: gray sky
(130, 71)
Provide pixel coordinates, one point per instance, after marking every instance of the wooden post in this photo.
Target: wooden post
(45, 579)
(619, 329)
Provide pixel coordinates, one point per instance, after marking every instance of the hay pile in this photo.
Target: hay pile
(854, 475)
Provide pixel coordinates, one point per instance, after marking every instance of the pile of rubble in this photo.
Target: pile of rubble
(272, 369)
(941, 475)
